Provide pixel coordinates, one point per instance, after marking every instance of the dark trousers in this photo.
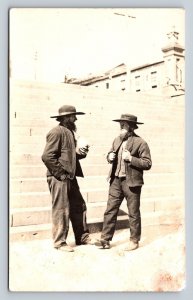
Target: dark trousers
(117, 192)
(67, 205)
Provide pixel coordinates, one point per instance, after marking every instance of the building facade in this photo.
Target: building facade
(167, 75)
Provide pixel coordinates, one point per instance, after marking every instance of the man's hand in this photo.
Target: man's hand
(83, 150)
(126, 155)
(64, 176)
(111, 156)
(82, 146)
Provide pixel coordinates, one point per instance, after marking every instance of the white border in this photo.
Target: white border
(187, 293)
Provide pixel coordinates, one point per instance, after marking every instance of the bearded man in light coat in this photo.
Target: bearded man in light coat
(129, 156)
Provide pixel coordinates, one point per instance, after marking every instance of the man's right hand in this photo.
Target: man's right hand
(111, 156)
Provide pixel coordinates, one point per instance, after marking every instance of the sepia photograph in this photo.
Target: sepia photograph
(97, 150)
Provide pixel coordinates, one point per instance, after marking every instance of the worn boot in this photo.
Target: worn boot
(65, 247)
(132, 246)
(103, 244)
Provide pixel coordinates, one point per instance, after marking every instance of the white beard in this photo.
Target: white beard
(123, 132)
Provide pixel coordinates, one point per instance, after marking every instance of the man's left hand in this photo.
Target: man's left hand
(83, 150)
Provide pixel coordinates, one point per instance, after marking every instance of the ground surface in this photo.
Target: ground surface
(157, 265)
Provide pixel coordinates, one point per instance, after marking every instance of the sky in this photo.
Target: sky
(48, 43)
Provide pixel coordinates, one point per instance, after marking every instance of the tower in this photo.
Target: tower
(174, 61)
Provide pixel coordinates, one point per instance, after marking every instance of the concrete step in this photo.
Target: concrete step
(23, 185)
(19, 120)
(149, 179)
(36, 199)
(86, 97)
(28, 101)
(94, 118)
(40, 170)
(42, 215)
(22, 171)
(36, 127)
(43, 231)
(100, 142)
(96, 155)
(164, 157)
(158, 150)
(31, 199)
(24, 86)
(38, 122)
(19, 159)
(95, 195)
(32, 95)
(47, 95)
(106, 126)
(37, 144)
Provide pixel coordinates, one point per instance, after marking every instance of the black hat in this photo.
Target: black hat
(67, 110)
(128, 118)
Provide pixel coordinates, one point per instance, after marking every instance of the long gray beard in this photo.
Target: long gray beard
(71, 126)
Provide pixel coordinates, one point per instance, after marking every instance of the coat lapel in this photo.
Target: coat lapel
(118, 144)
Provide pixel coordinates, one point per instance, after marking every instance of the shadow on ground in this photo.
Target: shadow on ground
(149, 234)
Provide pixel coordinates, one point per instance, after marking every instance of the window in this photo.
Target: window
(178, 71)
(123, 84)
(107, 85)
(154, 79)
(137, 83)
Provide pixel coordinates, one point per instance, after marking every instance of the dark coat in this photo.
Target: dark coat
(141, 159)
(60, 155)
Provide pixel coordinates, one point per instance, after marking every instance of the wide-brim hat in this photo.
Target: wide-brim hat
(128, 118)
(67, 110)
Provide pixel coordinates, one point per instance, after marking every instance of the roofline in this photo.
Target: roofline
(147, 65)
(97, 79)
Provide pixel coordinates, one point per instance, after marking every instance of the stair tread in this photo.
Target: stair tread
(150, 173)
(44, 226)
(14, 229)
(94, 204)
